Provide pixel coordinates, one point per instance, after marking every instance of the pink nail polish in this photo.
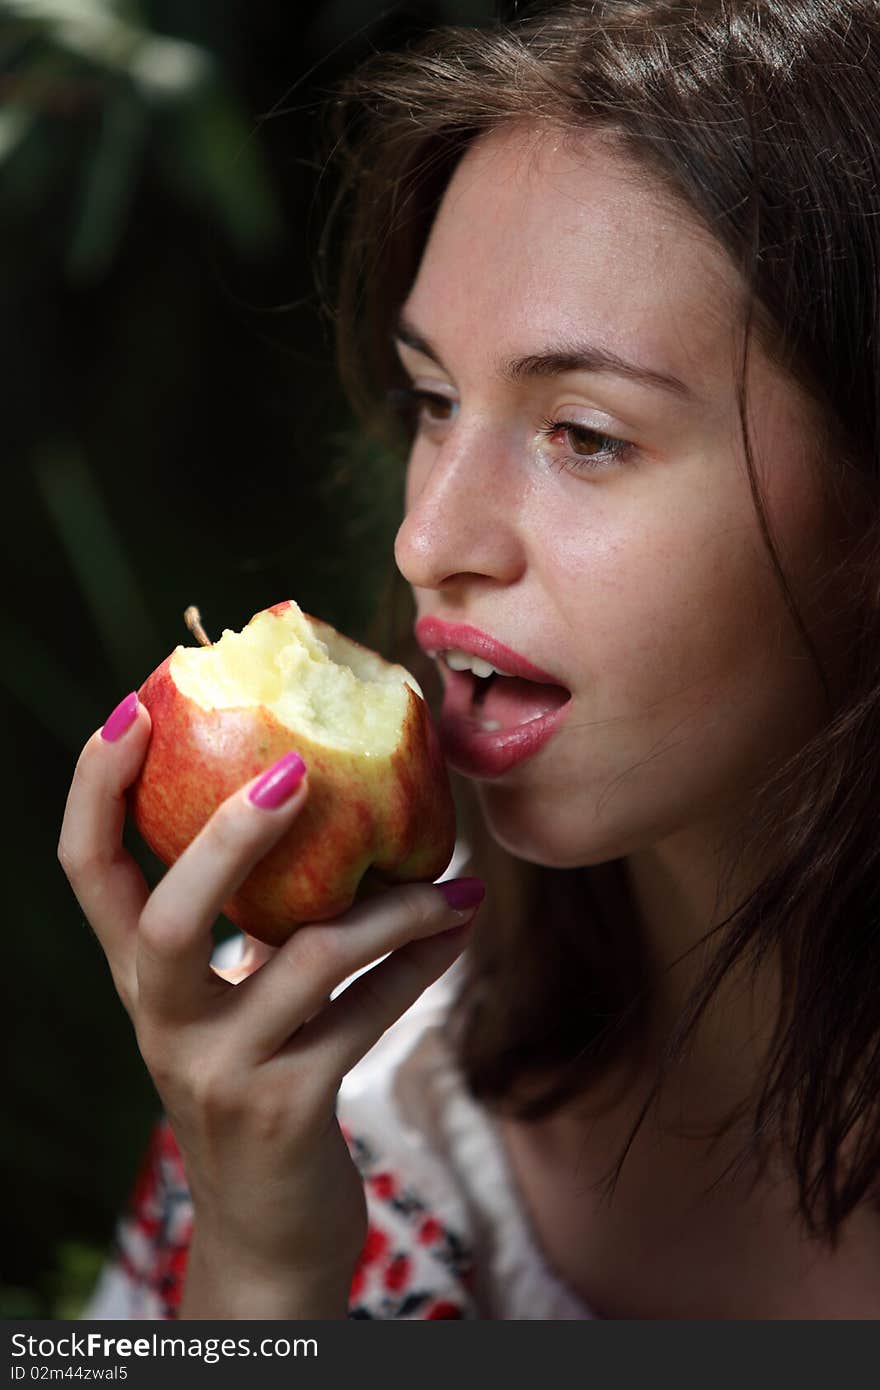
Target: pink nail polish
(462, 893)
(121, 719)
(279, 783)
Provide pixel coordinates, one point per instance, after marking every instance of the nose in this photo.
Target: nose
(462, 514)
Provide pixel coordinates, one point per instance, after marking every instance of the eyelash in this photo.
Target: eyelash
(403, 399)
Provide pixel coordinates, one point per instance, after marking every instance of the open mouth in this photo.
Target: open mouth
(501, 702)
(481, 686)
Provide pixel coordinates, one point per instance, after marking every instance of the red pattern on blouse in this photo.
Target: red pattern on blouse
(409, 1266)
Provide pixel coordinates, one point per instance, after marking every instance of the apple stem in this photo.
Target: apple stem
(193, 619)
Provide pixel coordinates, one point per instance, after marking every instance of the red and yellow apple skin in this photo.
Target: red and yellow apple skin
(367, 823)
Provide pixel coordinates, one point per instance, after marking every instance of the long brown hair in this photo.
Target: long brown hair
(760, 117)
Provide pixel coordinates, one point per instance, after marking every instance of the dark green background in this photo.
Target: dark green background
(171, 429)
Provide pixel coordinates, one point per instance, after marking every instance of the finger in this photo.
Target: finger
(175, 945)
(254, 954)
(355, 1020)
(106, 880)
(275, 1001)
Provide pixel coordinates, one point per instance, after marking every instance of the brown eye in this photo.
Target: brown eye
(435, 403)
(592, 439)
(602, 451)
(412, 406)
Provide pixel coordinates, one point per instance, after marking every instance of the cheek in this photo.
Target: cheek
(689, 685)
(671, 602)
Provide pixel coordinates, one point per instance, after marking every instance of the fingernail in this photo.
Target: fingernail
(121, 719)
(279, 783)
(462, 893)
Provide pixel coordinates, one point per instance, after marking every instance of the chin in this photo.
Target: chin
(544, 833)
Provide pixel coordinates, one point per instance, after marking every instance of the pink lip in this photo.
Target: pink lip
(433, 635)
(477, 753)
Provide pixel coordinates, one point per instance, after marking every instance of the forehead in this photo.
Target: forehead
(540, 236)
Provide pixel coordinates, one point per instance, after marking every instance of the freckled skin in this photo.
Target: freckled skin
(366, 823)
(646, 588)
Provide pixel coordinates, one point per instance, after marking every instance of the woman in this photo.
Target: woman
(614, 267)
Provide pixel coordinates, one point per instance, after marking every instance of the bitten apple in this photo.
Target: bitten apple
(379, 808)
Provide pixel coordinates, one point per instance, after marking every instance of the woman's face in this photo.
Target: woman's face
(641, 582)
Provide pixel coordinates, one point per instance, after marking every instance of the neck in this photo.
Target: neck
(674, 892)
(681, 891)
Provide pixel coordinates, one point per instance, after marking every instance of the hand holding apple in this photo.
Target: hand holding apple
(248, 1069)
(380, 808)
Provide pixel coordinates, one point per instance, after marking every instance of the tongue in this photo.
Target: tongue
(511, 701)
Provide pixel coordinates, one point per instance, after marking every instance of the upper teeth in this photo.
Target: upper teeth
(462, 661)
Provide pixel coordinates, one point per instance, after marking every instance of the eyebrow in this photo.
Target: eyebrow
(553, 361)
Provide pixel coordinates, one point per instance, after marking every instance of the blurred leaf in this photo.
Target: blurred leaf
(16, 1302)
(153, 94)
(108, 35)
(212, 157)
(15, 123)
(95, 33)
(77, 1267)
(63, 1290)
(97, 555)
(92, 28)
(43, 685)
(107, 187)
(171, 70)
